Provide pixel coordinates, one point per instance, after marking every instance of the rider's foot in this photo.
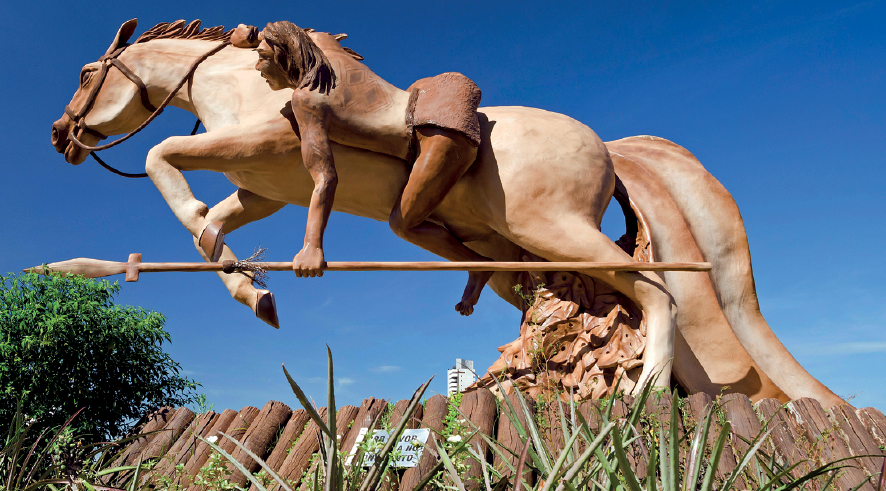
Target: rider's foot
(266, 308)
(476, 281)
(212, 241)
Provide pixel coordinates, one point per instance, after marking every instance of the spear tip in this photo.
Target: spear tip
(90, 268)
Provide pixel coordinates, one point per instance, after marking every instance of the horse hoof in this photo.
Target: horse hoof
(212, 241)
(266, 308)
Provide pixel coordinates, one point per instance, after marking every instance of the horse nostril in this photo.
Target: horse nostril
(59, 138)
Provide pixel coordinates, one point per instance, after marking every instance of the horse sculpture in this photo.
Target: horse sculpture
(541, 184)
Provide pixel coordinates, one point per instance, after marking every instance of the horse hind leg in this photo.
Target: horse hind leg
(237, 210)
(577, 239)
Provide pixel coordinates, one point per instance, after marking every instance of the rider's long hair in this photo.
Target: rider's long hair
(304, 63)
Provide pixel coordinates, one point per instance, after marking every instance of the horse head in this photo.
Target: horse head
(107, 102)
(112, 97)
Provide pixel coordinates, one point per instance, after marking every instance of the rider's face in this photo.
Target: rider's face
(245, 36)
(270, 70)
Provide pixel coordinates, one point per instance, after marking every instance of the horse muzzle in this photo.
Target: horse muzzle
(62, 144)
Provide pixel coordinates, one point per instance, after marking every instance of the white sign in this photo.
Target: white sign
(407, 453)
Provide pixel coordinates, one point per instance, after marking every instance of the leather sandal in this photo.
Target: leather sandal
(212, 241)
(266, 308)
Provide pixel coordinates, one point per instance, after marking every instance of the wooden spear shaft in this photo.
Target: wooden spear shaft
(94, 268)
(440, 266)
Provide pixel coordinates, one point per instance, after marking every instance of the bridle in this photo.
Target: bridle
(111, 60)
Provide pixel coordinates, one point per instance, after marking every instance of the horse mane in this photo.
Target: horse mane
(178, 30)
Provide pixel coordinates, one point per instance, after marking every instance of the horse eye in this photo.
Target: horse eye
(85, 76)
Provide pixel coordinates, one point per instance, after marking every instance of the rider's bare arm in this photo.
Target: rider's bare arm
(312, 114)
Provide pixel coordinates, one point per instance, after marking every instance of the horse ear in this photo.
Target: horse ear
(123, 35)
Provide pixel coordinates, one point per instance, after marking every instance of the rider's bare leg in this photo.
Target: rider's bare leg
(237, 210)
(577, 239)
(443, 157)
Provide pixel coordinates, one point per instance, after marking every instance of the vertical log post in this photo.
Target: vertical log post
(820, 431)
(508, 437)
(699, 404)
(479, 406)
(435, 412)
(186, 445)
(257, 438)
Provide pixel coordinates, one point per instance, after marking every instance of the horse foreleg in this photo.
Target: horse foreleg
(229, 149)
(237, 210)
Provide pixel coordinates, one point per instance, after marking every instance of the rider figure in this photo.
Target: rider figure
(432, 125)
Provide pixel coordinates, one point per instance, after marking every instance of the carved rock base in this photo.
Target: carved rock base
(578, 336)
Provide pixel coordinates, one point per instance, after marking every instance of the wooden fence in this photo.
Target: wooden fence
(287, 440)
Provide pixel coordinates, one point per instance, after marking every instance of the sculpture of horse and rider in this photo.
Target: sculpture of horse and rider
(539, 184)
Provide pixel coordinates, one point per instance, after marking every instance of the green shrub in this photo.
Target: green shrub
(64, 346)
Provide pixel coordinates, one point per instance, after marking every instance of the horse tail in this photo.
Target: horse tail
(691, 217)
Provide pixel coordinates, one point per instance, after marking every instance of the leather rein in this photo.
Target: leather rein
(111, 60)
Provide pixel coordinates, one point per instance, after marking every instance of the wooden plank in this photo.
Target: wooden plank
(167, 438)
(343, 418)
(400, 408)
(297, 424)
(830, 447)
(257, 438)
(158, 442)
(699, 404)
(202, 450)
(857, 439)
(590, 411)
(155, 421)
(344, 421)
(634, 452)
(548, 420)
(745, 428)
(392, 481)
(370, 409)
(620, 410)
(479, 407)
(298, 460)
(293, 429)
(875, 422)
(186, 445)
(789, 441)
(658, 409)
(238, 428)
(508, 436)
(435, 411)
(169, 434)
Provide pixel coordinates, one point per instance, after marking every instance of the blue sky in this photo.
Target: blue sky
(783, 102)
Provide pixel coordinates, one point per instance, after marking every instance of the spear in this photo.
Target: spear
(96, 268)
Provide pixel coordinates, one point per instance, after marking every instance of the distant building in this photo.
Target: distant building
(460, 376)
